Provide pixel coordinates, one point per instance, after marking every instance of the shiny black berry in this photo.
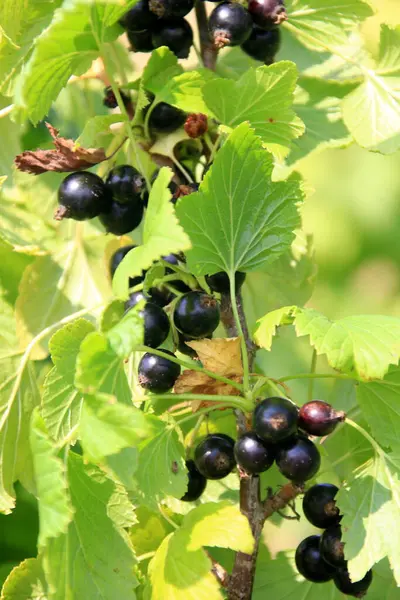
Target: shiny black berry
(252, 454)
(214, 456)
(171, 8)
(115, 261)
(122, 218)
(196, 483)
(332, 547)
(156, 325)
(357, 589)
(267, 13)
(166, 118)
(139, 17)
(219, 282)
(310, 563)
(319, 505)
(125, 183)
(140, 41)
(298, 459)
(82, 196)
(157, 374)
(196, 314)
(262, 44)
(230, 25)
(275, 419)
(110, 100)
(176, 34)
(319, 418)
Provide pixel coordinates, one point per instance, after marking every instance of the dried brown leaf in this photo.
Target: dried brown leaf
(67, 157)
(222, 356)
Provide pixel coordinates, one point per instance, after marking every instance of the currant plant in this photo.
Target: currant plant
(159, 414)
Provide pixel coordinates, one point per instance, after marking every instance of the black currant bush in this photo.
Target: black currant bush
(161, 348)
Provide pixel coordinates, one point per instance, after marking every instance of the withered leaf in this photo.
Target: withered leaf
(67, 157)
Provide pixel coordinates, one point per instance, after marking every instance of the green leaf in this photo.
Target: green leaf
(94, 559)
(25, 582)
(263, 97)
(65, 344)
(240, 220)
(56, 286)
(126, 335)
(162, 235)
(179, 574)
(107, 427)
(150, 530)
(371, 508)
(363, 345)
(65, 48)
(219, 524)
(112, 315)
(268, 324)
(186, 91)
(318, 23)
(161, 67)
(380, 404)
(372, 111)
(99, 369)
(55, 511)
(97, 129)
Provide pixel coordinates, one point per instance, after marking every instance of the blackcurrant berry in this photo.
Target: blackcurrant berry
(196, 314)
(357, 589)
(252, 454)
(172, 259)
(174, 33)
(275, 419)
(157, 374)
(166, 118)
(115, 261)
(263, 45)
(125, 183)
(332, 547)
(160, 296)
(214, 456)
(298, 459)
(140, 41)
(219, 282)
(156, 325)
(267, 13)
(319, 418)
(110, 100)
(230, 24)
(122, 218)
(139, 17)
(82, 195)
(319, 505)
(310, 563)
(196, 484)
(171, 8)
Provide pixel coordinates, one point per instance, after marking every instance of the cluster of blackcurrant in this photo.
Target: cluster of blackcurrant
(320, 558)
(118, 202)
(154, 23)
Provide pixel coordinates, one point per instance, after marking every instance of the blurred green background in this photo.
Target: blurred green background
(354, 218)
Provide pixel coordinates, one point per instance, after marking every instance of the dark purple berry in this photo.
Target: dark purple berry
(157, 374)
(122, 218)
(275, 419)
(166, 9)
(219, 282)
(267, 13)
(357, 589)
(298, 459)
(230, 25)
(139, 17)
(262, 44)
(156, 325)
(196, 314)
(134, 299)
(319, 505)
(319, 418)
(115, 261)
(110, 100)
(252, 454)
(310, 563)
(196, 483)
(214, 456)
(125, 183)
(166, 118)
(140, 41)
(332, 547)
(82, 195)
(174, 33)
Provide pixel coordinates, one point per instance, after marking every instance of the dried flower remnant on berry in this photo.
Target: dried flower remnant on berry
(196, 125)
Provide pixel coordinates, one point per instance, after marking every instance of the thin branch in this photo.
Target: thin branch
(221, 574)
(283, 498)
(208, 51)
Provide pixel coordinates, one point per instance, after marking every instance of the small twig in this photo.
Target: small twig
(227, 317)
(221, 574)
(208, 51)
(283, 498)
(251, 346)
